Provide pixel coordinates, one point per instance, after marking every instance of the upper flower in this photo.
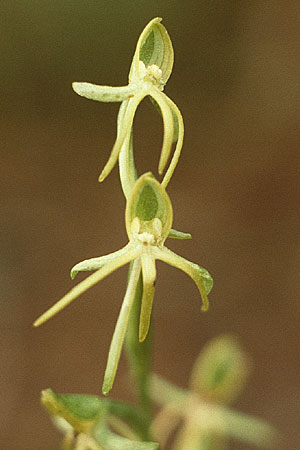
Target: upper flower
(148, 217)
(150, 69)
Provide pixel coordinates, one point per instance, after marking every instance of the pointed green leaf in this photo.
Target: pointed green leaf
(154, 47)
(174, 234)
(131, 414)
(80, 411)
(103, 93)
(221, 370)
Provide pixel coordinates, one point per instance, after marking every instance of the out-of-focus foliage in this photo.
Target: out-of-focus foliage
(91, 416)
(218, 376)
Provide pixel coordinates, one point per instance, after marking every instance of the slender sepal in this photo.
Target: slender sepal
(121, 328)
(93, 279)
(97, 263)
(103, 93)
(124, 132)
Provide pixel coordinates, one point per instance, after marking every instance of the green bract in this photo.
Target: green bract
(150, 69)
(148, 222)
(91, 416)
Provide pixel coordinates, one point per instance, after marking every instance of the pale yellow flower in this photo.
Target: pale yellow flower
(150, 70)
(148, 218)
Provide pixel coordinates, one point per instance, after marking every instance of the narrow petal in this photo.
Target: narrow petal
(97, 263)
(166, 112)
(120, 330)
(124, 131)
(249, 429)
(200, 276)
(128, 175)
(80, 288)
(103, 93)
(179, 144)
(149, 276)
(126, 165)
(174, 234)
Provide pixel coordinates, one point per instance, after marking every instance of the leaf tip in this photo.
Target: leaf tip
(102, 177)
(142, 334)
(73, 274)
(161, 167)
(205, 308)
(76, 86)
(37, 322)
(106, 387)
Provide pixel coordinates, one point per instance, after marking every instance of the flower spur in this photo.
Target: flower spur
(150, 70)
(148, 219)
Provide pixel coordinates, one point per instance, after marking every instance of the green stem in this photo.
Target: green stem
(139, 354)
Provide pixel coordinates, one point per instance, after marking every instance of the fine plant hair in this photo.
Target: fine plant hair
(199, 417)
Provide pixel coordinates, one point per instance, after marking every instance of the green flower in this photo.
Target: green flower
(148, 217)
(202, 415)
(150, 70)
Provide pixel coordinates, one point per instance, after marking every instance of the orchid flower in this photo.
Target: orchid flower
(202, 415)
(148, 218)
(150, 70)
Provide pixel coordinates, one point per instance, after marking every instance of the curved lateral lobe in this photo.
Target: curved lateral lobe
(96, 263)
(103, 93)
(179, 143)
(124, 131)
(168, 127)
(127, 170)
(90, 281)
(166, 255)
(175, 234)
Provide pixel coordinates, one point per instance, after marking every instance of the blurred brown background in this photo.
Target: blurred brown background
(237, 81)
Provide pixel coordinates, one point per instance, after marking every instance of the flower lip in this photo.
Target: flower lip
(149, 209)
